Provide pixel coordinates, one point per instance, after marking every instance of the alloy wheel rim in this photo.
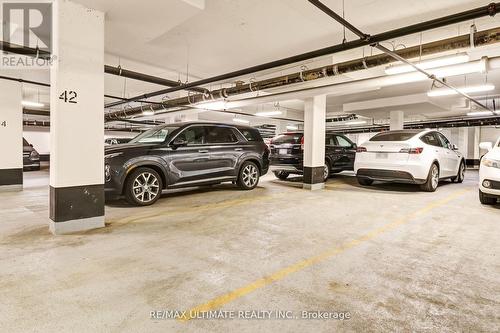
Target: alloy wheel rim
(325, 172)
(435, 177)
(146, 187)
(250, 175)
(462, 171)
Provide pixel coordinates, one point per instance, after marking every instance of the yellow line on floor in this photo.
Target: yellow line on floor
(282, 273)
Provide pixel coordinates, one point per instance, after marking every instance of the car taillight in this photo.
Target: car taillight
(302, 143)
(361, 150)
(413, 151)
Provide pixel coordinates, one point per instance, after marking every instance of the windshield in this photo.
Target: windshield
(293, 138)
(395, 136)
(154, 135)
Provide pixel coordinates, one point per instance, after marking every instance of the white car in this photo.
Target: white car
(489, 174)
(409, 156)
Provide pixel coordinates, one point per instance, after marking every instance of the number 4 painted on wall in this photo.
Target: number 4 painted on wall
(3, 124)
(69, 97)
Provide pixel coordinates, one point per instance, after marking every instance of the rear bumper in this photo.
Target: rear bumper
(395, 176)
(295, 169)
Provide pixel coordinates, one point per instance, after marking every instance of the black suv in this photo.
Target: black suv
(184, 155)
(287, 154)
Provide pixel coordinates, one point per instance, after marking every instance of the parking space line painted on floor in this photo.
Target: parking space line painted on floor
(282, 273)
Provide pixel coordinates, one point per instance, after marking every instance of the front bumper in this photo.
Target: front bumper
(394, 176)
(493, 176)
(31, 164)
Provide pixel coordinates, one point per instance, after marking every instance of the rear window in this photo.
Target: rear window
(251, 134)
(394, 136)
(293, 138)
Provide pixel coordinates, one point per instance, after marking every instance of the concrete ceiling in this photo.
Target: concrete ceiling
(168, 38)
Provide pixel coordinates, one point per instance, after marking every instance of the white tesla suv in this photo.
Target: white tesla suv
(489, 174)
(409, 156)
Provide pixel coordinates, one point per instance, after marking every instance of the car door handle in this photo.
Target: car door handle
(238, 149)
(203, 151)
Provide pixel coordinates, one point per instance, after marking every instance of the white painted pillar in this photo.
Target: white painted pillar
(11, 136)
(397, 120)
(77, 119)
(314, 142)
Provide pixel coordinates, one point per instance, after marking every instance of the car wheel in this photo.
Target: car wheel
(461, 174)
(365, 181)
(281, 174)
(326, 171)
(248, 177)
(486, 200)
(143, 187)
(432, 179)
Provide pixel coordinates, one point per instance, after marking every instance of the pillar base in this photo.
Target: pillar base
(68, 227)
(313, 187)
(11, 179)
(313, 178)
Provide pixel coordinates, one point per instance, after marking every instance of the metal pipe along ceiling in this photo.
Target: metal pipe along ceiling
(490, 10)
(393, 54)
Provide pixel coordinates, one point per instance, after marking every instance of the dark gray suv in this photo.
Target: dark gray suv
(184, 155)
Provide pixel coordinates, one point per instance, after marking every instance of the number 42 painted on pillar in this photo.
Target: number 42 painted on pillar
(69, 97)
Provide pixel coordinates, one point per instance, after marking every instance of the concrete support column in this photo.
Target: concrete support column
(314, 142)
(11, 136)
(77, 119)
(397, 120)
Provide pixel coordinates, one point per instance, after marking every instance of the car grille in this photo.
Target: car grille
(495, 185)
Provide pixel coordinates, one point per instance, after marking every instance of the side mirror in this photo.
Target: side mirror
(454, 147)
(178, 143)
(31, 145)
(354, 146)
(486, 146)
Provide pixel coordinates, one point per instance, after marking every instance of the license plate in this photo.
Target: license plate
(283, 151)
(382, 155)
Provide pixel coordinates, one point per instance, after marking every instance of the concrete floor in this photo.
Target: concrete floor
(395, 258)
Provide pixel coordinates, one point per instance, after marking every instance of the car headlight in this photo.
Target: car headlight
(108, 156)
(34, 155)
(490, 163)
(107, 172)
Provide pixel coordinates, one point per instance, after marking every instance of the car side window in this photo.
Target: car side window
(193, 135)
(343, 142)
(444, 141)
(219, 134)
(431, 139)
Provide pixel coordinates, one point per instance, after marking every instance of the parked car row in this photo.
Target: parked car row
(193, 154)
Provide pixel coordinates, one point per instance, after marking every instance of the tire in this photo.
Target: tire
(143, 187)
(283, 175)
(326, 171)
(486, 200)
(461, 174)
(432, 179)
(248, 177)
(365, 181)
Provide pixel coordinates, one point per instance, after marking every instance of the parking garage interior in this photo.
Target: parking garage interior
(96, 94)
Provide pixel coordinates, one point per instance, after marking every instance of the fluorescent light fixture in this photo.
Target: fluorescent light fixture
(32, 104)
(148, 113)
(356, 122)
(218, 105)
(239, 120)
(481, 113)
(292, 128)
(431, 63)
(466, 90)
(268, 113)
